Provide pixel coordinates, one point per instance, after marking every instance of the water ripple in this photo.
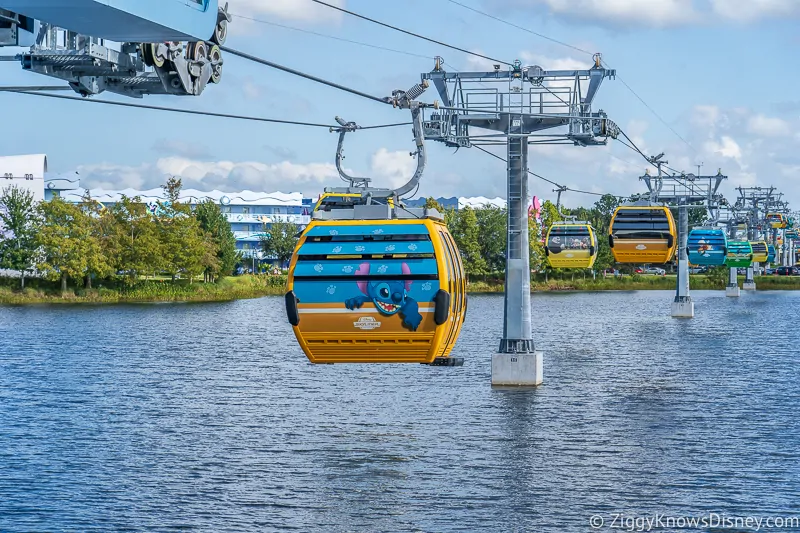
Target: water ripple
(208, 418)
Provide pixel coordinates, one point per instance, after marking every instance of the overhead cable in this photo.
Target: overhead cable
(653, 111)
(26, 88)
(335, 38)
(385, 25)
(551, 182)
(190, 111)
(567, 45)
(478, 11)
(302, 74)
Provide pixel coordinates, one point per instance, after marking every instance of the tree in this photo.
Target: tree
(431, 203)
(136, 238)
(66, 240)
(104, 246)
(19, 224)
(600, 218)
(185, 247)
(279, 241)
(538, 260)
(172, 192)
(492, 236)
(213, 222)
(466, 232)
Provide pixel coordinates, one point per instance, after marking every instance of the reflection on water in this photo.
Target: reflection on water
(209, 418)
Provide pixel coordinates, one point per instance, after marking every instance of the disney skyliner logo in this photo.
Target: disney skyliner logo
(712, 520)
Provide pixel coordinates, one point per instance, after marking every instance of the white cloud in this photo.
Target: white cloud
(551, 63)
(749, 10)
(659, 13)
(388, 169)
(299, 10)
(768, 126)
(223, 175)
(392, 168)
(656, 13)
(706, 116)
(727, 147)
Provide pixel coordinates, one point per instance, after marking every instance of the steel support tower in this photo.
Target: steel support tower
(733, 219)
(515, 104)
(686, 191)
(754, 201)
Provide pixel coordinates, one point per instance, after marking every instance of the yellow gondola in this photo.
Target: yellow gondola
(372, 281)
(776, 220)
(760, 251)
(571, 244)
(369, 291)
(642, 233)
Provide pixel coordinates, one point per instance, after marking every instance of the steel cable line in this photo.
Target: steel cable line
(342, 39)
(385, 25)
(17, 90)
(271, 64)
(688, 184)
(653, 111)
(567, 45)
(384, 100)
(519, 27)
(28, 88)
(565, 188)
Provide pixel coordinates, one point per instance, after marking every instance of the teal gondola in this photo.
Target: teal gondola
(707, 246)
(770, 253)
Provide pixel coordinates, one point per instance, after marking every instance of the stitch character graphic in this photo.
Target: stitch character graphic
(389, 297)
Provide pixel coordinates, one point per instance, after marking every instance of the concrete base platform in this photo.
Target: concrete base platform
(733, 291)
(517, 370)
(749, 286)
(683, 309)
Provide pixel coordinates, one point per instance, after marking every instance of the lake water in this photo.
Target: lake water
(208, 418)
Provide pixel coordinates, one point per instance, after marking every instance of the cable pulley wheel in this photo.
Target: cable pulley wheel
(149, 55)
(220, 31)
(215, 57)
(196, 51)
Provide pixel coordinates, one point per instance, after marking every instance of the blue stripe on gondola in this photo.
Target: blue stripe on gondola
(707, 247)
(370, 229)
(738, 248)
(321, 292)
(366, 247)
(328, 268)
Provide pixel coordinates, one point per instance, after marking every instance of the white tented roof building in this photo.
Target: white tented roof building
(481, 201)
(192, 196)
(24, 171)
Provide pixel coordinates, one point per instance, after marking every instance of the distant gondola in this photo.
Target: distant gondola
(642, 233)
(571, 245)
(776, 220)
(760, 251)
(740, 254)
(707, 246)
(771, 253)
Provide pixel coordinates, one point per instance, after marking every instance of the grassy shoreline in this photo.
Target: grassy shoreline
(229, 289)
(247, 287)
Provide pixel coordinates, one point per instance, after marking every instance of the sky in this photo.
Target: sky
(715, 76)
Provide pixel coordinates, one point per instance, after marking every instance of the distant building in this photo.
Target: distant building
(24, 171)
